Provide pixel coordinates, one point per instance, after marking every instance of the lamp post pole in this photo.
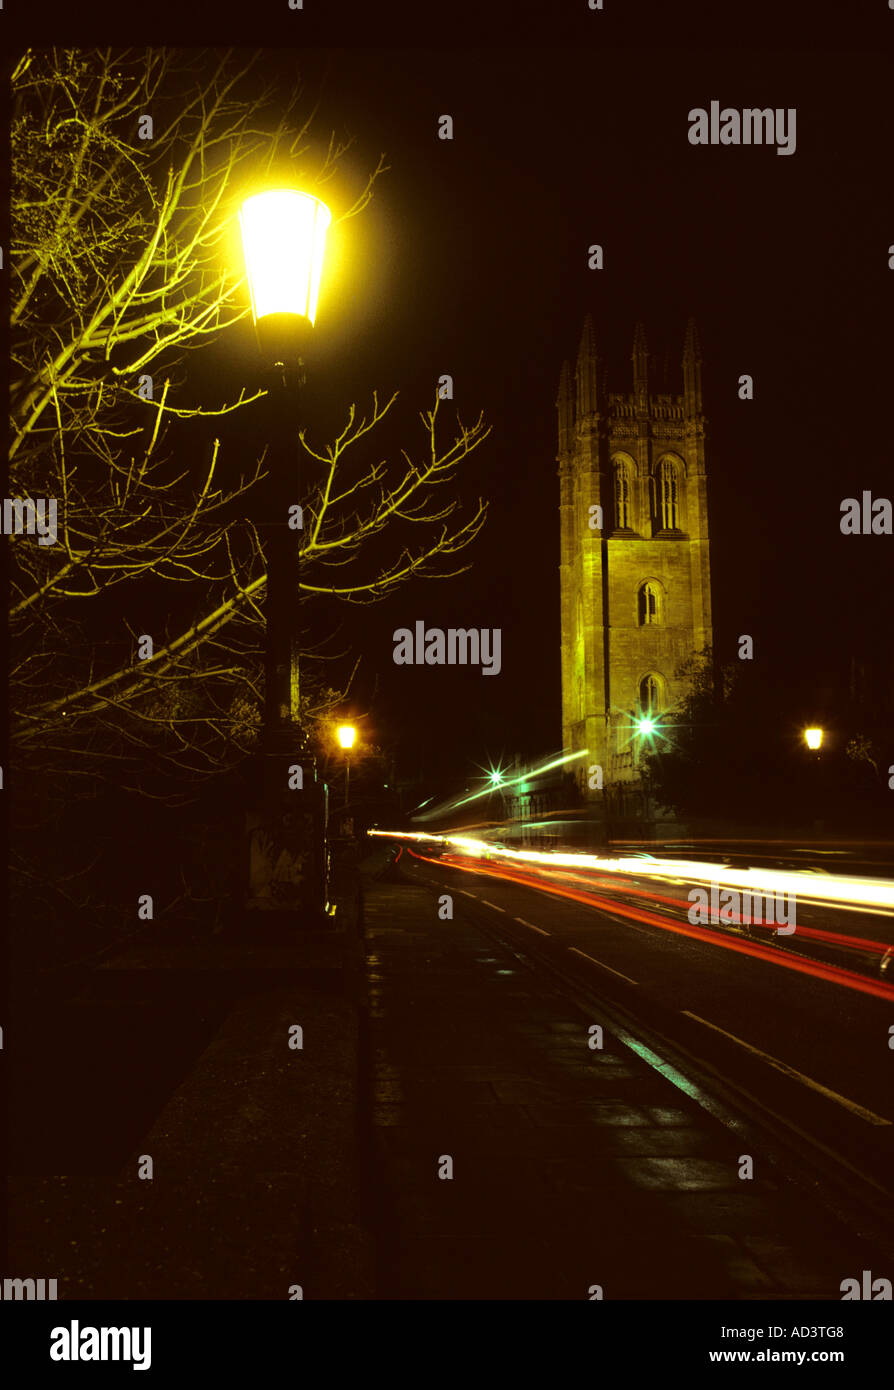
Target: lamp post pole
(283, 233)
(288, 852)
(282, 675)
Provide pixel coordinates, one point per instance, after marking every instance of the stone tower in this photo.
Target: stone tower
(635, 590)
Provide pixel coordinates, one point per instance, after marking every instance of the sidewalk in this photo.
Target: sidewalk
(571, 1167)
(255, 1175)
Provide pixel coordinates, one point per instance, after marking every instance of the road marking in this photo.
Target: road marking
(531, 925)
(493, 905)
(603, 966)
(465, 894)
(629, 926)
(868, 1115)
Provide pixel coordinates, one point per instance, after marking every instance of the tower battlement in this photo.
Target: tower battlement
(660, 407)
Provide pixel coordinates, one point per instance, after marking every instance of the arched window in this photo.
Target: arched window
(667, 508)
(650, 697)
(649, 604)
(622, 496)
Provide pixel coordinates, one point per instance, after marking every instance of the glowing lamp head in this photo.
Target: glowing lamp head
(346, 734)
(645, 725)
(283, 239)
(813, 738)
(496, 777)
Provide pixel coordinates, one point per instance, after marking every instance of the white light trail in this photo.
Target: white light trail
(866, 894)
(444, 808)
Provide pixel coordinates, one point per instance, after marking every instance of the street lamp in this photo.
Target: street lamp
(346, 734)
(813, 737)
(283, 242)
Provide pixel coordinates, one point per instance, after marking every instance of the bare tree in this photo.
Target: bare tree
(118, 271)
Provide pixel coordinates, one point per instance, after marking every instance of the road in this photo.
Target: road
(791, 1032)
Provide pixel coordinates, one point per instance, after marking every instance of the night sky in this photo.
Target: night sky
(472, 260)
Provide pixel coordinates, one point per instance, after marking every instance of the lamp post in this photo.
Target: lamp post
(346, 734)
(813, 738)
(283, 241)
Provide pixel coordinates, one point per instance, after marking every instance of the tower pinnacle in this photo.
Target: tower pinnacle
(640, 358)
(565, 407)
(692, 370)
(587, 386)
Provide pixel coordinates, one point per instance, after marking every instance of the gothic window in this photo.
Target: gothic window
(667, 496)
(649, 604)
(650, 694)
(622, 496)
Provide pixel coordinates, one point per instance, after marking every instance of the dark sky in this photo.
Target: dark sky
(472, 260)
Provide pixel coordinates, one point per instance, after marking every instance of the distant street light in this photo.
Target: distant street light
(283, 241)
(346, 734)
(813, 738)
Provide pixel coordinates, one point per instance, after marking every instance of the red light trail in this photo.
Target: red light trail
(832, 974)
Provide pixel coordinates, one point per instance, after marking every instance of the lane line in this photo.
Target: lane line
(868, 1115)
(650, 932)
(493, 905)
(467, 895)
(531, 925)
(603, 966)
